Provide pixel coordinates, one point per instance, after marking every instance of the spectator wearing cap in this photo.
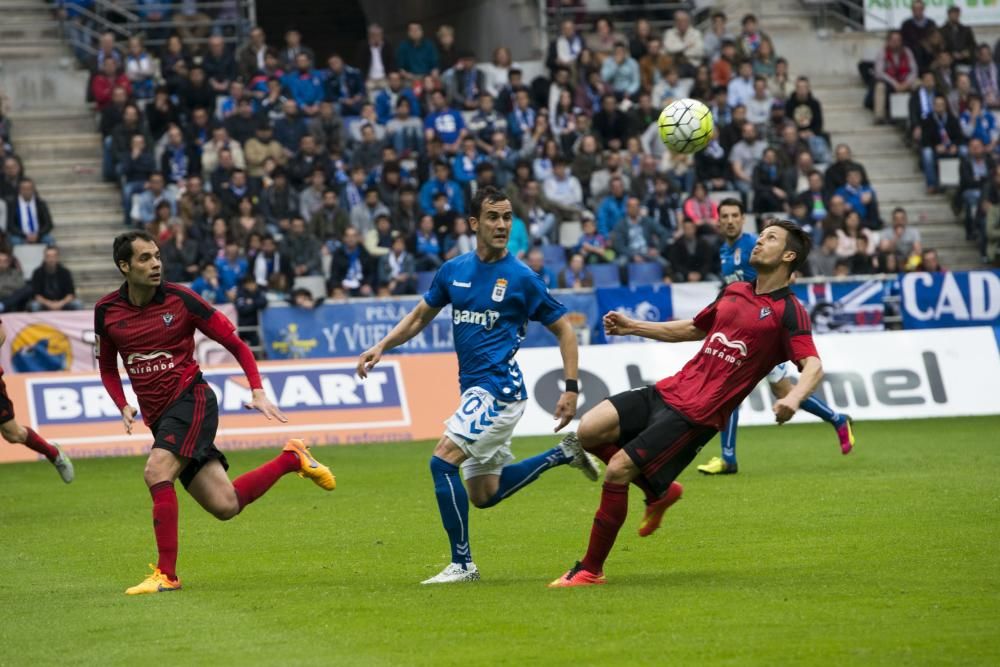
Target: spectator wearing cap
(441, 182)
(444, 123)
(684, 43)
(263, 147)
(417, 55)
(759, 105)
(895, 72)
(344, 86)
(621, 72)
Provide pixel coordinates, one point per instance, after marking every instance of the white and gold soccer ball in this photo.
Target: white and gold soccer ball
(686, 126)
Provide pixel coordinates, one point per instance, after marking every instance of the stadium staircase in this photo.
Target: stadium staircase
(55, 134)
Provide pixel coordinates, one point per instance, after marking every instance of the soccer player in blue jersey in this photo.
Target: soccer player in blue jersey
(493, 295)
(735, 259)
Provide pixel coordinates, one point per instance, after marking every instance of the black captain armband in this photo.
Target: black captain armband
(573, 386)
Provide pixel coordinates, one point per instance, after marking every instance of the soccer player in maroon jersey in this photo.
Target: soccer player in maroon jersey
(647, 436)
(151, 324)
(16, 434)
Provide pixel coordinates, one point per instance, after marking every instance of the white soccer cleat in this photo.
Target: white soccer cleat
(455, 573)
(584, 461)
(64, 465)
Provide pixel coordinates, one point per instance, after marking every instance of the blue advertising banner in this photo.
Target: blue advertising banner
(348, 329)
(951, 299)
(652, 303)
(843, 307)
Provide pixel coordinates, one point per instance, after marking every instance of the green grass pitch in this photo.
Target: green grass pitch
(888, 556)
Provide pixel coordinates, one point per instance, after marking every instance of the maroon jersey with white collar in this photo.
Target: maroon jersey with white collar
(747, 334)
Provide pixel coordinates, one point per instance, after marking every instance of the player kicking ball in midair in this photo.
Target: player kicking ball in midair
(649, 435)
(16, 434)
(150, 324)
(735, 260)
(493, 295)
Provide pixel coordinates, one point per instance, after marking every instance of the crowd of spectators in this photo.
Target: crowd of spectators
(953, 84)
(266, 162)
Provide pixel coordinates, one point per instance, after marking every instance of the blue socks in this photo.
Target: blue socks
(516, 476)
(453, 503)
(814, 406)
(729, 438)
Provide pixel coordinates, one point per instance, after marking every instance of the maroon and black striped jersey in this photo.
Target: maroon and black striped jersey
(156, 345)
(747, 334)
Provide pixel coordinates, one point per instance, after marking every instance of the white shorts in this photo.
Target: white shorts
(482, 427)
(778, 373)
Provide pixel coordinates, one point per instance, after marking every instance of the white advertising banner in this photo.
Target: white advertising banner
(877, 375)
(886, 14)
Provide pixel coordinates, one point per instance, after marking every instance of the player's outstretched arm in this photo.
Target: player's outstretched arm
(812, 372)
(678, 331)
(414, 322)
(566, 406)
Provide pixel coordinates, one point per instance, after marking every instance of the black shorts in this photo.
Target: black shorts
(658, 439)
(6, 407)
(187, 429)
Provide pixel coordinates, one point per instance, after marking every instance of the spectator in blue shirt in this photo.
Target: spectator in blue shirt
(417, 55)
(441, 183)
(427, 245)
(612, 208)
(522, 119)
(518, 243)
(231, 266)
(621, 72)
(444, 123)
(858, 196)
(536, 262)
(387, 99)
(208, 287)
(463, 166)
(345, 86)
(978, 123)
(304, 85)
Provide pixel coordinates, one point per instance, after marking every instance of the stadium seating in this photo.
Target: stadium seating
(606, 275)
(646, 273)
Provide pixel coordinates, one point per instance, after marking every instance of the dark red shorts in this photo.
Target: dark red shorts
(187, 429)
(6, 407)
(658, 439)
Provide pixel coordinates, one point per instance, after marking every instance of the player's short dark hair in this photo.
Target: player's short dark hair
(732, 201)
(798, 241)
(122, 249)
(487, 195)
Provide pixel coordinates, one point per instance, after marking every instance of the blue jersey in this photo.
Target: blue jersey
(491, 306)
(735, 259)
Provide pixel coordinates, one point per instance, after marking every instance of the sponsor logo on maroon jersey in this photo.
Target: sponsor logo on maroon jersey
(140, 363)
(731, 350)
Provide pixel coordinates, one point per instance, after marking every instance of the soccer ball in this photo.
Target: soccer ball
(686, 126)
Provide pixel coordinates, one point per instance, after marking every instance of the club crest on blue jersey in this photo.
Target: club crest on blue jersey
(499, 289)
(764, 312)
(168, 319)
